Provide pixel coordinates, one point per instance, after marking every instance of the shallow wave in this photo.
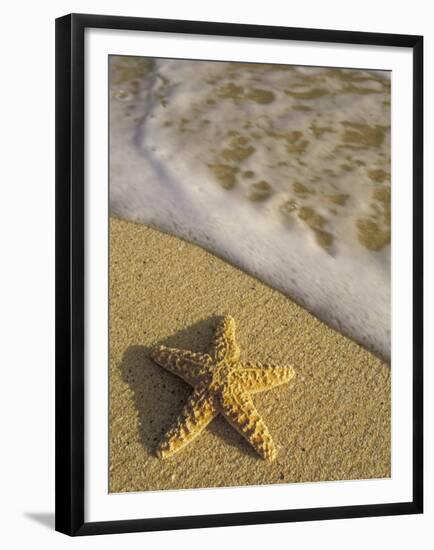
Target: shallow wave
(283, 171)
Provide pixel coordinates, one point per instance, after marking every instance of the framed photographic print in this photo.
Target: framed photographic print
(238, 274)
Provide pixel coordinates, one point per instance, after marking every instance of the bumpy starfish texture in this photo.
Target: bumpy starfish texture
(222, 384)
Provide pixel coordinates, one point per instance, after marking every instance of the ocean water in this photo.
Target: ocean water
(284, 171)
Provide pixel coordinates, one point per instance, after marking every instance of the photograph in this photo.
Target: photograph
(249, 274)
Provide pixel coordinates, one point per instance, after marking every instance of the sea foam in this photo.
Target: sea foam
(283, 171)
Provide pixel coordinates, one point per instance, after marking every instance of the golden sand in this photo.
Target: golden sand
(331, 422)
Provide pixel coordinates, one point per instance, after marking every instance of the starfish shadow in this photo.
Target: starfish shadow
(160, 395)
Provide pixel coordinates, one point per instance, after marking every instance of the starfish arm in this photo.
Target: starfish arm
(225, 346)
(239, 410)
(187, 365)
(197, 413)
(256, 377)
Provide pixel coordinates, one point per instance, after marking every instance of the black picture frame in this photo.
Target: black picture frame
(70, 263)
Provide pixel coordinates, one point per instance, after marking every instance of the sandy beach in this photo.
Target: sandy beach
(331, 422)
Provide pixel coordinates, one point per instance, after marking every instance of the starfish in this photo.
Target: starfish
(222, 384)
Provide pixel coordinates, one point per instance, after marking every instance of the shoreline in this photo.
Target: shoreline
(383, 358)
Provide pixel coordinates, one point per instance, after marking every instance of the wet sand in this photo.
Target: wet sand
(331, 422)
